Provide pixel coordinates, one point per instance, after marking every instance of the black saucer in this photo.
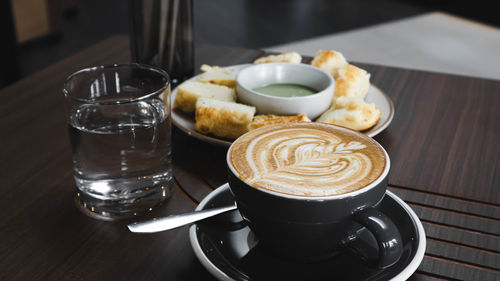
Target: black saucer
(229, 250)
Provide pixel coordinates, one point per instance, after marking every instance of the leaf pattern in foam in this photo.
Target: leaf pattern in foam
(353, 145)
(319, 160)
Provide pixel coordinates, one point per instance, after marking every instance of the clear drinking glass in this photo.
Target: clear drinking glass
(120, 133)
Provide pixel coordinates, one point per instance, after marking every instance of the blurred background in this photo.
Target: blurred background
(41, 32)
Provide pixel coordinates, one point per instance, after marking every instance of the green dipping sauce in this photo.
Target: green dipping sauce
(285, 90)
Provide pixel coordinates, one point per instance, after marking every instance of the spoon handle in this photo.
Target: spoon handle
(174, 221)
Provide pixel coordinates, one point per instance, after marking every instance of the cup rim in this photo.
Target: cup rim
(354, 193)
(331, 81)
(67, 92)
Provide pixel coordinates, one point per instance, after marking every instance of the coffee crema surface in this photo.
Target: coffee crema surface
(307, 159)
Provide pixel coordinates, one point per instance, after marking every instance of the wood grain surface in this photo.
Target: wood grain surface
(442, 143)
(445, 133)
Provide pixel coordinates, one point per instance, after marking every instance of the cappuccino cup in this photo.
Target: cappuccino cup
(307, 189)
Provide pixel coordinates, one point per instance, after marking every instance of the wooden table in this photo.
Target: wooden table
(443, 143)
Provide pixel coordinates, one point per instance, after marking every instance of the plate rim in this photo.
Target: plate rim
(222, 276)
(392, 110)
(227, 143)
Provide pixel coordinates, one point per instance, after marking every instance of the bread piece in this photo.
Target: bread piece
(223, 119)
(329, 60)
(217, 75)
(352, 81)
(189, 92)
(351, 112)
(268, 119)
(292, 57)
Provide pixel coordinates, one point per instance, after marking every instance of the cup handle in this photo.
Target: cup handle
(388, 238)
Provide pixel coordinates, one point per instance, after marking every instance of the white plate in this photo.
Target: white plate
(185, 122)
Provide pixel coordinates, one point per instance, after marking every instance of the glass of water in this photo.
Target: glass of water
(120, 133)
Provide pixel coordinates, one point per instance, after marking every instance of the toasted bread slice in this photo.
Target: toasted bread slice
(223, 119)
(329, 60)
(268, 119)
(351, 112)
(189, 92)
(352, 81)
(292, 57)
(217, 75)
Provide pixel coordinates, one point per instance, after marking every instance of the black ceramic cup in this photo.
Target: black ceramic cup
(311, 229)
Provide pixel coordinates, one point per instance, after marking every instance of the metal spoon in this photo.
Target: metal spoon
(174, 221)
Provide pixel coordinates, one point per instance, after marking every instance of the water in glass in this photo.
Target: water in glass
(121, 156)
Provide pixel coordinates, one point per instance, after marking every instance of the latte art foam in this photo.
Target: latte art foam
(306, 159)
